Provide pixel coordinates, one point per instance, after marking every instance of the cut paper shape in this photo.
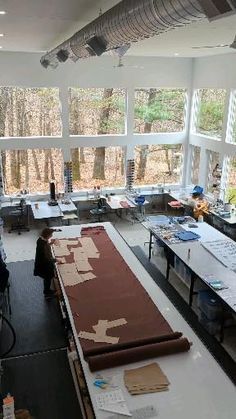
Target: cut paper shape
(61, 260)
(86, 277)
(98, 339)
(69, 274)
(66, 242)
(101, 328)
(61, 251)
(88, 245)
(81, 260)
(83, 265)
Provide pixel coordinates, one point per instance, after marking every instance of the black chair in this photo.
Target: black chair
(20, 213)
(100, 210)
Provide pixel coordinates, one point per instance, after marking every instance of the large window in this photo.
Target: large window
(230, 193)
(155, 164)
(97, 111)
(99, 166)
(210, 112)
(195, 163)
(31, 170)
(159, 110)
(28, 112)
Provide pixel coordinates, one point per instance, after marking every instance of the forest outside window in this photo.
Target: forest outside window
(214, 173)
(30, 112)
(210, 108)
(230, 193)
(100, 166)
(97, 111)
(158, 164)
(31, 170)
(195, 163)
(159, 110)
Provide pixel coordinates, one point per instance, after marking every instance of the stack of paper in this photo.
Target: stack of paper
(148, 379)
(113, 401)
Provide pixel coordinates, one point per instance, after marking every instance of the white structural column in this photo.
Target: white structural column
(64, 100)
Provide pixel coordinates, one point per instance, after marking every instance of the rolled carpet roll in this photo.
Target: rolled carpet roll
(136, 354)
(132, 344)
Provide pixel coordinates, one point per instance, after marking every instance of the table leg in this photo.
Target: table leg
(150, 246)
(191, 290)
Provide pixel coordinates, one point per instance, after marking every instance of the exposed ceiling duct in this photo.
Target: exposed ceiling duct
(131, 21)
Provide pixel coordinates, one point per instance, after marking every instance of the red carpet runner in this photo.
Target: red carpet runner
(114, 294)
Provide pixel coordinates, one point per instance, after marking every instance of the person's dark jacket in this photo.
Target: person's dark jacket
(44, 262)
(4, 275)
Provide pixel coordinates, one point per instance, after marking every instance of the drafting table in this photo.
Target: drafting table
(45, 211)
(199, 387)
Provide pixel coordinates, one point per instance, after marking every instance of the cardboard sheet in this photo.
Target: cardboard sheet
(147, 379)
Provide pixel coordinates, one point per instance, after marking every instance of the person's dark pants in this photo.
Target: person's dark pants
(47, 285)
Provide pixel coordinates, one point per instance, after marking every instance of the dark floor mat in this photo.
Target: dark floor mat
(37, 322)
(42, 384)
(219, 353)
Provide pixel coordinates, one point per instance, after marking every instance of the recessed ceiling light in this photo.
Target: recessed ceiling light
(1, 34)
(0, 47)
(2, 12)
(176, 54)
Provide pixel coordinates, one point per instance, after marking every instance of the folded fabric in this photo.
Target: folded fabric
(187, 235)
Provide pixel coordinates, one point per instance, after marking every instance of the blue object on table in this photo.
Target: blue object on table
(187, 235)
(197, 190)
(140, 199)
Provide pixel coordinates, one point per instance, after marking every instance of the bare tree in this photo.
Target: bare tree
(76, 164)
(99, 160)
(144, 148)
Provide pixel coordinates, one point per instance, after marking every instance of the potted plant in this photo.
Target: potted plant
(230, 199)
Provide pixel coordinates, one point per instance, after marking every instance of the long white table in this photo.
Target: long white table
(202, 262)
(199, 388)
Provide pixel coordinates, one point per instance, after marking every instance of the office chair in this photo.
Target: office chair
(20, 213)
(100, 210)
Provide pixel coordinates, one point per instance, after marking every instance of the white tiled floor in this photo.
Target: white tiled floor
(22, 247)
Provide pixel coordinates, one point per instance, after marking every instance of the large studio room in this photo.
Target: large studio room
(117, 209)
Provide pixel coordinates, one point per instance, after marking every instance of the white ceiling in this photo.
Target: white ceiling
(39, 25)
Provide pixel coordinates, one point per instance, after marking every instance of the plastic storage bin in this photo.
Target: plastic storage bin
(209, 305)
(212, 326)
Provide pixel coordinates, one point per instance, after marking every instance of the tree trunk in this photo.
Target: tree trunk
(76, 164)
(51, 165)
(46, 166)
(4, 94)
(144, 149)
(82, 159)
(168, 161)
(36, 165)
(99, 160)
(99, 163)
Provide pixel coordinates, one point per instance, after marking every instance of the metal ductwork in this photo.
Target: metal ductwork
(127, 22)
